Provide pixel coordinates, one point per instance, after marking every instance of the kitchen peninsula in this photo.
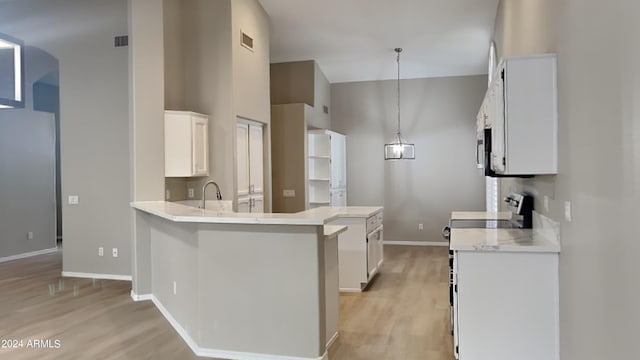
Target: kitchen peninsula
(242, 285)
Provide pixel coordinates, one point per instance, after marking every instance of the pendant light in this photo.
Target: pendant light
(398, 148)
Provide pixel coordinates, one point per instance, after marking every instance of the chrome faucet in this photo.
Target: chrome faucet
(204, 189)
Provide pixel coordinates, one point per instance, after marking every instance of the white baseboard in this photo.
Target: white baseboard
(332, 340)
(221, 354)
(143, 297)
(416, 243)
(28, 254)
(96, 276)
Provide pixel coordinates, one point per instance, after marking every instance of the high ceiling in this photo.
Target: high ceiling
(353, 40)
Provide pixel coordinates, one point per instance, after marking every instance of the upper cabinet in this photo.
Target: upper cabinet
(518, 119)
(186, 144)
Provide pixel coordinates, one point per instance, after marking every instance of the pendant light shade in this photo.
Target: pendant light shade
(398, 148)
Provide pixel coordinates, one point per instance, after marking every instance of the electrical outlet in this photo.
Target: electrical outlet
(30, 235)
(567, 211)
(420, 226)
(101, 251)
(167, 194)
(190, 193)
(175, 288)
(114, 252)
(546, 204)
(288, 193)
(74, 200)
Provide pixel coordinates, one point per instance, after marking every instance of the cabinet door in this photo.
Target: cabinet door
(380, 247)
(338, 165)
(244, 205)
(256, 167)
(372, 253)
(339, 197)
(242, 145)
(257, 204)
(200, 150)
(496, 112)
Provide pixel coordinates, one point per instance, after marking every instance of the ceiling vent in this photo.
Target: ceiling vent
(120, 41)
(247, 41)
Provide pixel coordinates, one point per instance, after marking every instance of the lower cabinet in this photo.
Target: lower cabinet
(360, 251)
(251, 204)
(506, 305)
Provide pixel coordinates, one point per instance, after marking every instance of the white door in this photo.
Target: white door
(242, 145)
(256, 167)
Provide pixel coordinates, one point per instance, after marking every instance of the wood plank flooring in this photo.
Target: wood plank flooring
(403, 315)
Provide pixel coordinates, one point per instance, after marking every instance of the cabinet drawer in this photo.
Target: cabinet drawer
(373, 222)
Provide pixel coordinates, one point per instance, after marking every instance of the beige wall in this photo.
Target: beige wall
(289, 149)
(438, 115)
(599, 164)
(208, 71)
(302, 82)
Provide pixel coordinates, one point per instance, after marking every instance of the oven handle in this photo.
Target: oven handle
(446, 232)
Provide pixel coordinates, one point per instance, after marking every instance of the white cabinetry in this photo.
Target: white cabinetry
(327, 168)
(186, 144)
(520, 108)
(506, 305)
(250, 167)
(360, 250)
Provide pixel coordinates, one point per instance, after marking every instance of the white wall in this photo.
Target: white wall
(94, 121)
(438, 115)
(599, 164)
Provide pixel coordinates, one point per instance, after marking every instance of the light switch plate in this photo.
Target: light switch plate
(289, 193)
(167, 194)
(567, 210)
(190, 192)
(74, 199)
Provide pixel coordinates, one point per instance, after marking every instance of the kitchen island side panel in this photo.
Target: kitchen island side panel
(262, 289)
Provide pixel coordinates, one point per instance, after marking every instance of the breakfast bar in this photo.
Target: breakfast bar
(241, 285)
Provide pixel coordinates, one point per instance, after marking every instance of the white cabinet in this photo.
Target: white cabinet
(506, 305)
(186, 144)
(327, 168)
(360, 250)
(520, 108)
(338, 143)
(250, 167)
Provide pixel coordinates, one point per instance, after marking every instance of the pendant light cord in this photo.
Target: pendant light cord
(398, 50)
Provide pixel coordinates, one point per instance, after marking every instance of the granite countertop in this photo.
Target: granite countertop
(317, 216)
(502, 240)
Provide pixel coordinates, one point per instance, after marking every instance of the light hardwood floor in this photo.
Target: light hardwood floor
(403, 315)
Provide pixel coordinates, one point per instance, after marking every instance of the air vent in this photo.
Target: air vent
(325, 108)
(247, 41)
(120, 41)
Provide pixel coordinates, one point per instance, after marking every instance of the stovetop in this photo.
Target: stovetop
(483, 224)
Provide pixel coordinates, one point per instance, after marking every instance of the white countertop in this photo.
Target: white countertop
(317, 216)
(480, 215)
(502, 240)
(333, 230)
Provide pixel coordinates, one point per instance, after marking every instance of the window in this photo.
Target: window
(11, 72)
